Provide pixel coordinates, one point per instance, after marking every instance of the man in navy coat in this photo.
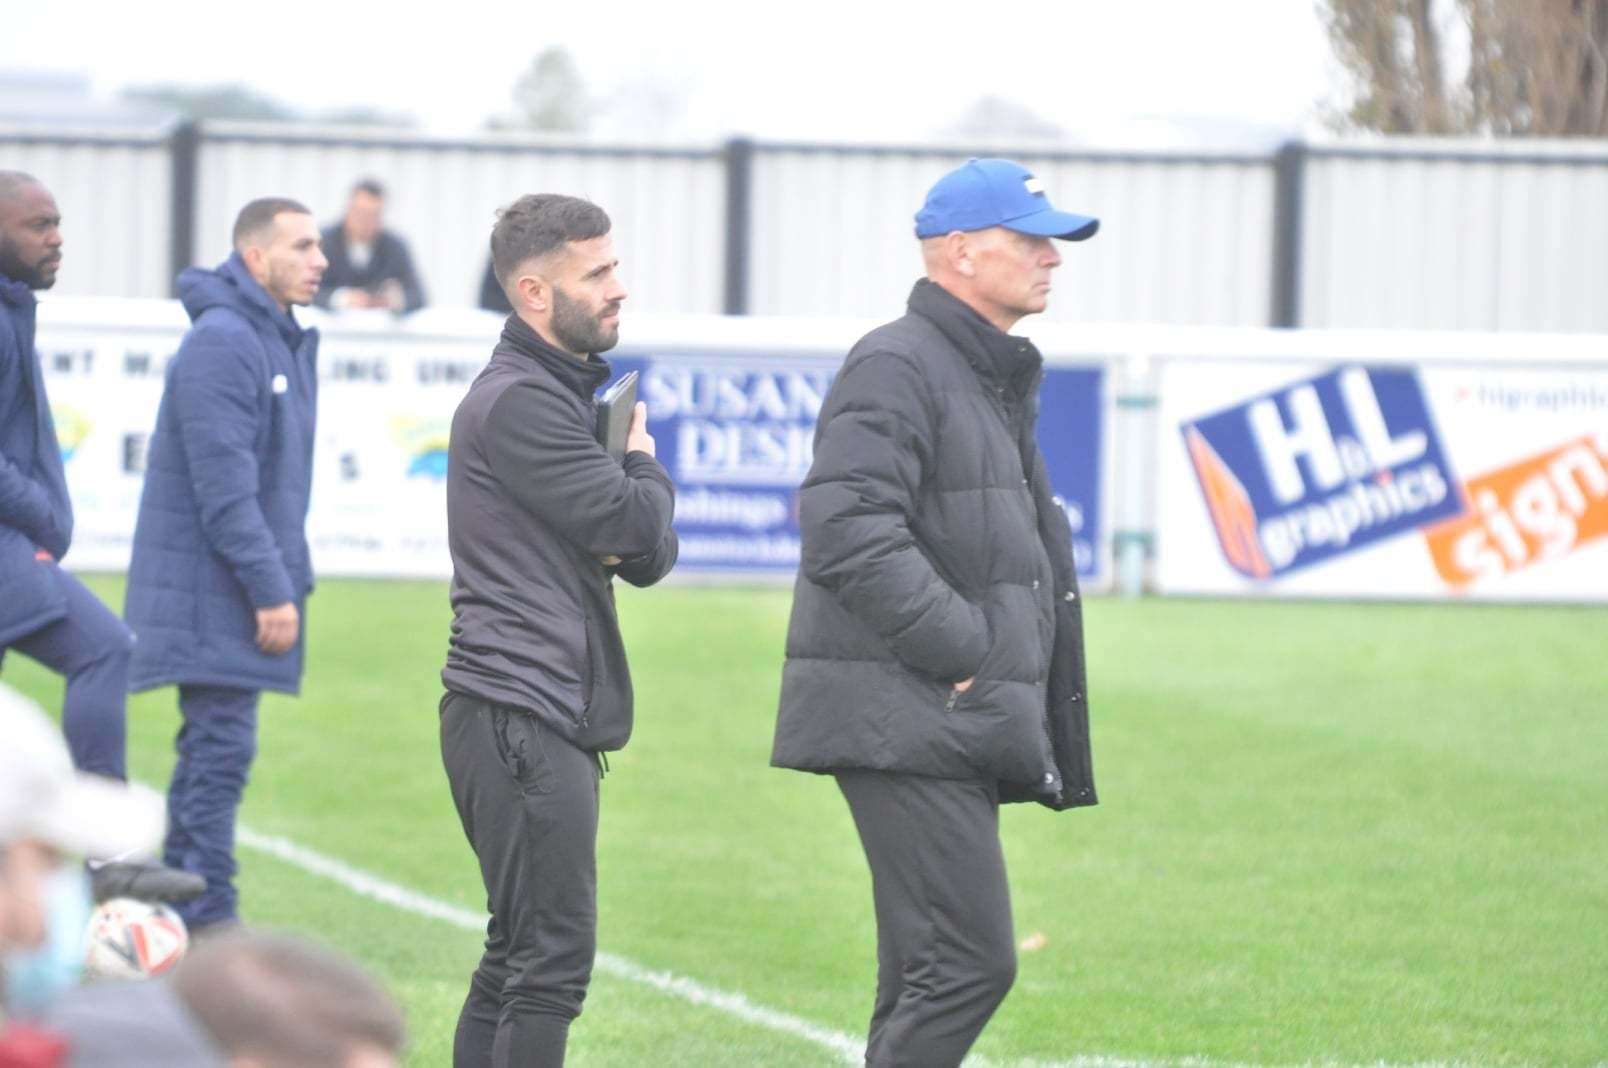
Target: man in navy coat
(220, 569)
(46, 613)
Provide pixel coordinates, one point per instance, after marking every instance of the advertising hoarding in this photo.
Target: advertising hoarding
(1290, 478)
(733, 422)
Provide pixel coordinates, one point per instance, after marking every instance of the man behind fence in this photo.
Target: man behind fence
(935, 657)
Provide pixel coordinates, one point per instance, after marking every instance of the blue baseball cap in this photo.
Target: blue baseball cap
(997, 192)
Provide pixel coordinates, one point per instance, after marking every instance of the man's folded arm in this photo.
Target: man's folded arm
(555, 469)
(649, 568)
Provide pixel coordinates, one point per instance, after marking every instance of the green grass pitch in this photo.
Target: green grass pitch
(1329, 833)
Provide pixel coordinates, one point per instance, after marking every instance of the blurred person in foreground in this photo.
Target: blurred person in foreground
(369, 266)
(51, 815)
(45, 613)
(245, 999)
(220, 570)
(935, 651)
(540, 519)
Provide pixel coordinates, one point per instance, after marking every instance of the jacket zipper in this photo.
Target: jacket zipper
(1049, 744)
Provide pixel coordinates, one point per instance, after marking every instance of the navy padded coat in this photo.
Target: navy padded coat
(222, 521)
(35, 512)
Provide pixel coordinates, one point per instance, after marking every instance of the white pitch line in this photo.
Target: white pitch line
(849, 1048)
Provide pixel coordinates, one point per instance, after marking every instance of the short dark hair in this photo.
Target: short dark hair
(285, 1001)
(13, 182)
(537, 224)
(371, 186)
(260, 213)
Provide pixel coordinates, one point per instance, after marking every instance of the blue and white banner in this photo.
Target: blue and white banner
(1436, 480)
(733, 423)
(736, 432)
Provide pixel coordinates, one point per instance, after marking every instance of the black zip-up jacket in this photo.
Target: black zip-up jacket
(935, 551)
(533, 505)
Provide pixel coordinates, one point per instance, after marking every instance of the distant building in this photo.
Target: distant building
(62, 100)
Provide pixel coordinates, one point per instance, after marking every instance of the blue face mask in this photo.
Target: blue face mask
(35, 977)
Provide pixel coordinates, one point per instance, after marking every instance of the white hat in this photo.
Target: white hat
(43, 797)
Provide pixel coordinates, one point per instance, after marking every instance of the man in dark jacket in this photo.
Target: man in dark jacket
(539, 520)
(369, 266)
(46, 613)
(934, 656)
(220, 567)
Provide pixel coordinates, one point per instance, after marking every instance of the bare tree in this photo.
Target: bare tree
(1503, 67)
(550, 95)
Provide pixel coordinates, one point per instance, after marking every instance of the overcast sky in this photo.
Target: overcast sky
(819, 69)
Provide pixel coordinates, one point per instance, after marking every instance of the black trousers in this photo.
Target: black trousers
(946, 954)
(528, 801)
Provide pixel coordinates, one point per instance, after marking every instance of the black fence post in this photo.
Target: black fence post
(739, 222)
(1289, 182)
(186, 149)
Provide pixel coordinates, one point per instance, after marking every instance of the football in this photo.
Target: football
(129, 939)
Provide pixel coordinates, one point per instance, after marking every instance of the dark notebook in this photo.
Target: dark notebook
(614, 410)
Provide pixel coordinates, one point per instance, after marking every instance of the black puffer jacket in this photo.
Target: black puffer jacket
(934, 551)
(533, 505)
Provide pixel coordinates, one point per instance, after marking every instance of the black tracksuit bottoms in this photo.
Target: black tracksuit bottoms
(528, 801)
(946, 955)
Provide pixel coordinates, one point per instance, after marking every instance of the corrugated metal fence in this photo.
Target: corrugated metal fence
(115, 191)
(1396, 233)
(1486, 236)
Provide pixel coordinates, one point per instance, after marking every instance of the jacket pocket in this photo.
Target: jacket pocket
(594, 674)
(519, 745)
(1000, 739)
(955, 698)
(33, 597)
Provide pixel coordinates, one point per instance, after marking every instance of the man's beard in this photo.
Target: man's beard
(579, 332)
(34, 277)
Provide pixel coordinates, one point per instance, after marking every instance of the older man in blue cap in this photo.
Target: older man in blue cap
(935, 654)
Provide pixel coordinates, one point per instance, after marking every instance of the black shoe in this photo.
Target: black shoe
(143, 880)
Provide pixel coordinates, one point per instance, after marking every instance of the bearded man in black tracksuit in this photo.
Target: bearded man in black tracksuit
(935, 652)
(540, 519)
